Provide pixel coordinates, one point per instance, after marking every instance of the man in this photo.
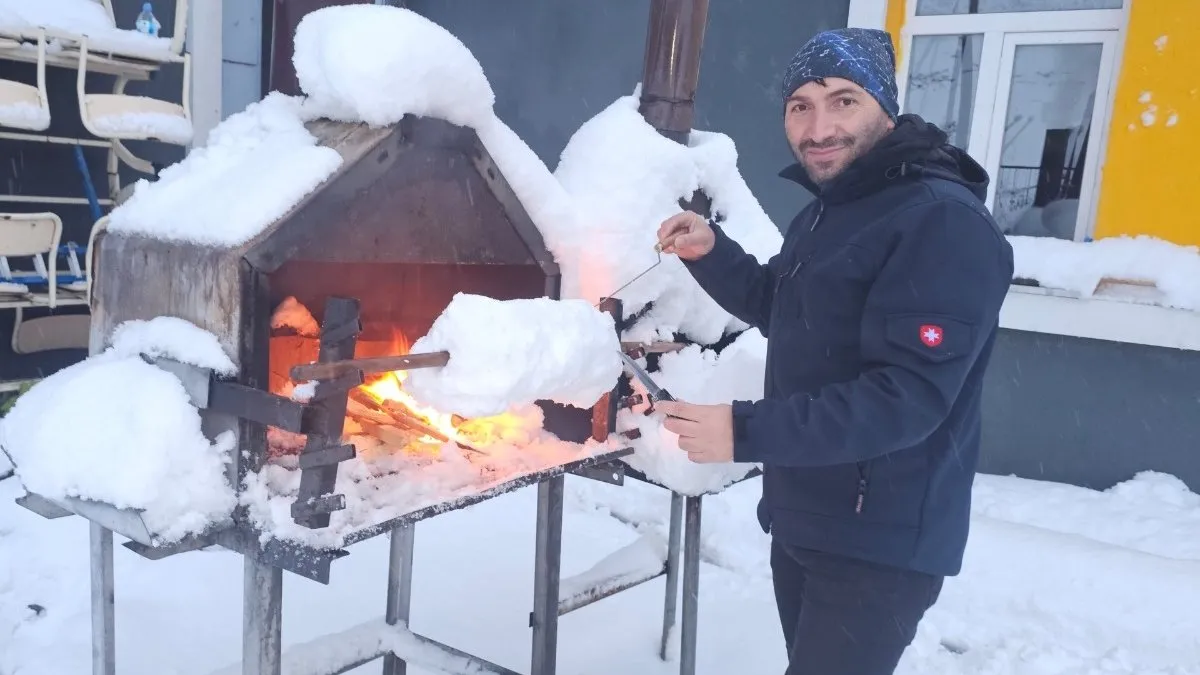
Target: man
(880, 312)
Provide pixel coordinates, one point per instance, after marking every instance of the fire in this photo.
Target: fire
(389, 388)
(382, 409)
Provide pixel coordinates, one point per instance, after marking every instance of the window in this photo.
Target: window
(942, 81)
(1025, 90)
(938, 7)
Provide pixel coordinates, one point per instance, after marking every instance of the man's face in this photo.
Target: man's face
(829, 125)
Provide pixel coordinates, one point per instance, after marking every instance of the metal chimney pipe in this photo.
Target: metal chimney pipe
(672, 65)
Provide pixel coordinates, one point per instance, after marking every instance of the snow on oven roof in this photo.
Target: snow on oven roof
(355, 63)
(68, 18)
(258, 164)
(144, 449)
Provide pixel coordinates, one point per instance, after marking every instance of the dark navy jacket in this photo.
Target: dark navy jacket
(880, 313)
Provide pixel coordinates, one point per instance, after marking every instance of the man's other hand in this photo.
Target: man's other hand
(687, 235)
(705, 431)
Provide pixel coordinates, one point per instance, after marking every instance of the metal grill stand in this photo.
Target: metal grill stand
(262, 613)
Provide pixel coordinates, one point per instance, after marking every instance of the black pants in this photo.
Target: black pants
(842, 616)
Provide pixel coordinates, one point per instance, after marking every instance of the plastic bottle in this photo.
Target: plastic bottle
(146, 23)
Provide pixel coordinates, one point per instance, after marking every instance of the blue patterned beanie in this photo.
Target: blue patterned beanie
(862, 55)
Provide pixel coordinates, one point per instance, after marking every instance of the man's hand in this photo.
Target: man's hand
(687, 235)
(705, 431)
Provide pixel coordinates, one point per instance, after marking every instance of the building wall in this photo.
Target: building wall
(554, 65)
(1090, 412)
(1154, 136)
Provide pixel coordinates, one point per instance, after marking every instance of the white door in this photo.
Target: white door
(1045, 134)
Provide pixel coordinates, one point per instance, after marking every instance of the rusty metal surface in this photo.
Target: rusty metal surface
(422, 192)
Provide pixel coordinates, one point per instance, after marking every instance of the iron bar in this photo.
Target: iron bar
(368, 366)
(691, 586)
(547, 567)
(593, 595)
(262, 619)
(104, 631)
(674, 531)
(399, 590)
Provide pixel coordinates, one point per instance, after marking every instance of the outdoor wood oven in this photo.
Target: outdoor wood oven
(417, 213)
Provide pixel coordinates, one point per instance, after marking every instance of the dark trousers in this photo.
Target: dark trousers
(843, 616)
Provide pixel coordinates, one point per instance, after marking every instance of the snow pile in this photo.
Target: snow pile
(628, 179)
(1080, 267)
(700, 376)
(380, 483)
(375, 64)
(155, 125)
(75, 19)
(23, 115)
(510, 352)
(1151, 512)
(141, 446)
(257, 165)
(290, 314)
(175, 339)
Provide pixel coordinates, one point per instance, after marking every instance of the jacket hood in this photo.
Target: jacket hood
(914, 149)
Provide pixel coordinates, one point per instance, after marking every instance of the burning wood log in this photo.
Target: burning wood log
(388, 413)
(368, 366)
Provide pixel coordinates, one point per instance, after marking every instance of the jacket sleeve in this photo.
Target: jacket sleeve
(736, 280)
(927, 317)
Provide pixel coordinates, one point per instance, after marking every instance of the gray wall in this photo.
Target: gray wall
(241, 72)
(1090, 412)
(555, 64)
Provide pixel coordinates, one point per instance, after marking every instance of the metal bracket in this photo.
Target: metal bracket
(612, 473)
(42, 506)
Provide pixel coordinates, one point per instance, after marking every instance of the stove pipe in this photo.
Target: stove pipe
(672, 66)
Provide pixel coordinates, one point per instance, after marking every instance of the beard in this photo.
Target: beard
(821, 171)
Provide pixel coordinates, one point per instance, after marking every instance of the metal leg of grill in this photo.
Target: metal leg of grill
(547, 569)
(399, 590)
(104, 631)
(691, 586)
(262, 619)
(672, 593)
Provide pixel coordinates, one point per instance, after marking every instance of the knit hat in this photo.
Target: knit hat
(862, 55)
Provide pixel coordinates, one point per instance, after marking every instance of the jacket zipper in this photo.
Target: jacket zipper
(801, 261)
(862, 488)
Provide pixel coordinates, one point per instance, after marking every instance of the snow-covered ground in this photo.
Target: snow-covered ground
(1057, 580)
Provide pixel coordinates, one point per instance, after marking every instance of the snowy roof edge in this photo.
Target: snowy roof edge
(352, 140)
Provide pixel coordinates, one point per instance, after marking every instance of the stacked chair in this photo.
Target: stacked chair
(37, 269)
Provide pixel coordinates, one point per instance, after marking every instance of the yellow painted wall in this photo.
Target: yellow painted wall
(893, 22)
(1150, 179)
